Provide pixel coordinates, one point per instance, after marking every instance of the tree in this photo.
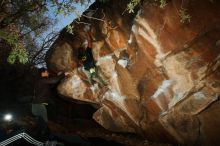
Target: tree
(22, 21)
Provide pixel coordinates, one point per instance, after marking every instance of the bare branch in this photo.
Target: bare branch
(93, 18)
(81, 22)
(48, 40)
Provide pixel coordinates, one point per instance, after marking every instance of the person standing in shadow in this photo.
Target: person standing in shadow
(43, 95)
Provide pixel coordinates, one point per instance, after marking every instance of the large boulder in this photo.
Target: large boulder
(163, 75)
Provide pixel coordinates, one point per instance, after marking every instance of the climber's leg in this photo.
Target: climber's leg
(98, 79)
(88, 74)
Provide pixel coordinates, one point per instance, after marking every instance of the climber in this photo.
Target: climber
(86, 60)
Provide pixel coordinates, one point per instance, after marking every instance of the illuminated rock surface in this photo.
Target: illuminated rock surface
(163, 75)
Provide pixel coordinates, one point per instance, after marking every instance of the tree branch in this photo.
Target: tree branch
(46, 44)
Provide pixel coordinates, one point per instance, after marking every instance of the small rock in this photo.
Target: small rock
(217, 43)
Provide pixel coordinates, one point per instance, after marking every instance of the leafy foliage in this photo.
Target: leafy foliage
(131, 5)
(30, 21)
(163, 3)
(18, 53)
(70, 29)
(10, 37)
(185, 16)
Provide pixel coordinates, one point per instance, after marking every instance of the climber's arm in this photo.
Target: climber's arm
(89, 38)
(80, 63)
(52, 80)
(87, 29)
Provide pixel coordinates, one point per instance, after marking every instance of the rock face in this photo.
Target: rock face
(163, 75)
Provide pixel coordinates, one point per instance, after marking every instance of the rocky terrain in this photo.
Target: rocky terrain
(163, 75)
